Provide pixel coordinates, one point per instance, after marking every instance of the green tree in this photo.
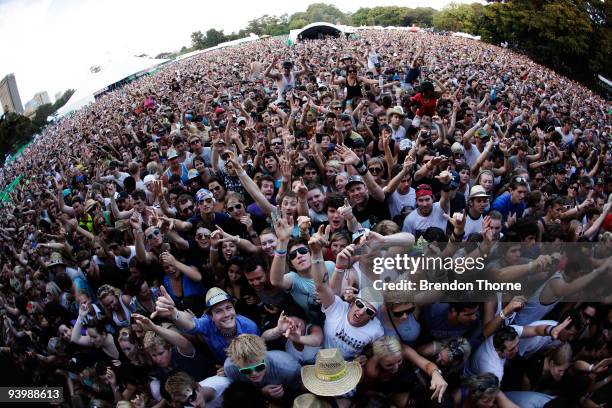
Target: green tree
(197, 40)
(213, 37)
(15, 131)
(459, 18)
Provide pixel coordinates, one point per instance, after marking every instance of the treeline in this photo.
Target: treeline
(17, 130)
(570, 36)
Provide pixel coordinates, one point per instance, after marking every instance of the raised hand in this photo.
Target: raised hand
(84, 310)
(283, 227)
(317, 242)
(557, 329)
(347, 156)
(343, 259)
(164, 305)
(144, 322)
(346, 210)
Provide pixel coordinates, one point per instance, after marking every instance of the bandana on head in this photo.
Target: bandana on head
(424, 190)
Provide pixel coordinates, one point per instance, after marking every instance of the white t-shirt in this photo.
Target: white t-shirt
(398, 201)
(472, 225)
(486, 359)
(415, 222)
(531, 345)
(218, 384)
(339, 333)
(123, 262)
(471, 155)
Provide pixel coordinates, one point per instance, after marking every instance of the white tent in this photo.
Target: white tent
(110, 73)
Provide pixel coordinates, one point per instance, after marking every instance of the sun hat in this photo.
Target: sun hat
(331, 375)
(172, 153)
(215, 296)
(90, 204)
(478, 191)
(457, 148)
(56, 259)
(396, 110)
(310, 401)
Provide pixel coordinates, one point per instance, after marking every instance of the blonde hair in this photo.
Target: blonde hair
(154, 168)
(105, 290)
(53, 288)
(152, 340)
(180, 386)
(246, 348)
(387, 227)
(386, 346)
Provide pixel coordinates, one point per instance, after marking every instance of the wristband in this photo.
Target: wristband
(459, 237)
(280, 253)
(549, 330)
(502, 315)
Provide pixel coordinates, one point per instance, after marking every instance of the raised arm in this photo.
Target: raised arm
(284, 230)
(349, 157)
(318, 270)
(251, 187)
(183, 345)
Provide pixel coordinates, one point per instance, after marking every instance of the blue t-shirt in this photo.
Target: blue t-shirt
(281, 368)
(217, 343)
(504, 205)
(190, 287)
(303, 293)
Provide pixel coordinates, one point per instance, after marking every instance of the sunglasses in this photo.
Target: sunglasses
(369, 311)
(154, 234)
(277, 143)
(351, 72)
(202, 236)
(539, 179)
(195, 142)
(192, 397)
(216, 188)
(256, 368)
(401, 313)
(188, 209)
(235, 207)
(520, 179)
(375, 169)
(301, 250)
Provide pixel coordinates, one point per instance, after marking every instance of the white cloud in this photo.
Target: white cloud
(50, 44)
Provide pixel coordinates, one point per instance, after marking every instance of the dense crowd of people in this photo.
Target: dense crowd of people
(205, 236)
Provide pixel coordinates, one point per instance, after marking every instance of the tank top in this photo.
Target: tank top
(184, 173)
(126, 311)
(533, 309)
(285, 85)
(407, 332)
(353, 91)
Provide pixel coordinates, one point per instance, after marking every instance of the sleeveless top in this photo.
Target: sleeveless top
(184, 173)
(190, 288)
(126, 311)
(285, 85)
(407, 332)
(533, 309)
(353, 91)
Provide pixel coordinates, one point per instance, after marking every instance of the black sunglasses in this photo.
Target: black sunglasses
(154, 234)
(401, 313)
(192, 397)
(375, 169)
(188, 209)
(369, 311)
(235, 207)
(277, 143)
(195, 142)
(301, 250)
(202, 236)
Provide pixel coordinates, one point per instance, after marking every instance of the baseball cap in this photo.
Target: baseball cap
(354, 179)
(172, 153)
(113, 163)
(478, 191)
(192, 174)
(122, 195)
(202, 195)
(240, 120)
(560, 169)
(148, 178)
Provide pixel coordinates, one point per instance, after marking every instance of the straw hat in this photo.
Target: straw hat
(215, 296)
(56, 259)
(396, 110)
(90, 204)
(331, 376)
(310, 401)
